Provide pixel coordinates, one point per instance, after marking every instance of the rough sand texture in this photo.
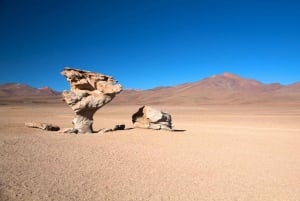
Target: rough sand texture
(249, 152)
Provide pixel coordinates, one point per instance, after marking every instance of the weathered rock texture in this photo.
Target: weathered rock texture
(43, 126)
(148, 117)
(89, 92)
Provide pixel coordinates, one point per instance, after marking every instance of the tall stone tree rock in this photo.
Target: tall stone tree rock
(89, 92)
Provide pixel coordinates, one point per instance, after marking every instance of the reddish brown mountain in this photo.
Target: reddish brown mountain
(218, 89)
(226, 88)
(22, 90)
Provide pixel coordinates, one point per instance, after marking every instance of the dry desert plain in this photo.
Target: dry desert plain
(220, 152)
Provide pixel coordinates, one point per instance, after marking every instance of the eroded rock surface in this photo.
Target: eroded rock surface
(43, 126)
(89, 92)
(148, 117)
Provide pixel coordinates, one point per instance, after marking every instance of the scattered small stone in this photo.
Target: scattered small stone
(119, 127)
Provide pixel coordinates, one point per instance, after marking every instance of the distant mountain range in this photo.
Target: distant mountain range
(226, 88)
(218, 89)
(23, 90)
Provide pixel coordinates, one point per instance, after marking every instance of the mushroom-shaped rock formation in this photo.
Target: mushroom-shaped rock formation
(148, 117)
(89, 92)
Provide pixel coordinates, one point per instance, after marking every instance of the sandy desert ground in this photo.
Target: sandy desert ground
(227, 152)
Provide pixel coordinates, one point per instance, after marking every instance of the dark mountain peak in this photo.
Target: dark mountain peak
(48, 91)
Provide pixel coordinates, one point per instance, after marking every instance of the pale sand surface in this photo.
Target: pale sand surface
(246, 152)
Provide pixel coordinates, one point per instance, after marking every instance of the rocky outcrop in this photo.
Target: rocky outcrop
(89, 92)
(148, 117)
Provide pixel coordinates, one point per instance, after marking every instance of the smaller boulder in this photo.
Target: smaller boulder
(148, 117)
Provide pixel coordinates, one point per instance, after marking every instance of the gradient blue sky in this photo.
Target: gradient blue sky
(149, 43)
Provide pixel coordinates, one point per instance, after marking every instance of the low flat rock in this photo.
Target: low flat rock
(43, 126)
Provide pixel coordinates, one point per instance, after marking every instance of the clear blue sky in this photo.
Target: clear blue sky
(149, 43)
